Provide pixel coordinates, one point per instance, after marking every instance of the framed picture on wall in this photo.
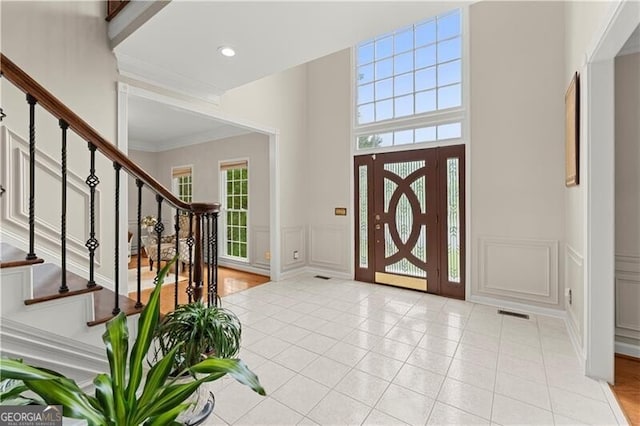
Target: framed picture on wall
(572, 132)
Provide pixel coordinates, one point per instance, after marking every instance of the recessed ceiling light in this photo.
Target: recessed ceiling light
(227, 51)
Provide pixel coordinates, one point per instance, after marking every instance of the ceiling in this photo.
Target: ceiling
(178, 47)
(155, 126)
(633, 43)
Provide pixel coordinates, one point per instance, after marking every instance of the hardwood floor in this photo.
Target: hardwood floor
(627, 387)
(229, 281)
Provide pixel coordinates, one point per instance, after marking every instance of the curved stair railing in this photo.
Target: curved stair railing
(203, 217)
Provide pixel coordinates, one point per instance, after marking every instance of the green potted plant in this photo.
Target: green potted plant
(119, 399)
(203, 332)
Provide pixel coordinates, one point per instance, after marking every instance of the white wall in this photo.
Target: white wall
(627, 147)
(517, 151)
(149, 162)
(205, 158)
(517, 154)
(63, 46)
(279, 101)
(329, 162)
(582, 22)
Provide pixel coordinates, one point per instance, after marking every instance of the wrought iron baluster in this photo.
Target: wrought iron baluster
(190, 245)
(197, 258)
(159, 228)
(177, 229)
(32, 176)
(92, 243)
(116, 308)
(64, 126)
(139, 184)
(207, 244)
(214, 266)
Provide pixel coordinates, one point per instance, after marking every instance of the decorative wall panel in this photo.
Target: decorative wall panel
(328, 247)
(15, 211)
(524, 270)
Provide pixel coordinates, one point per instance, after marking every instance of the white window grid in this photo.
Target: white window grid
(238, 209)
(184, 188)
(414, 72)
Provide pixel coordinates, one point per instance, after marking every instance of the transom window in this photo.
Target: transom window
(416, 71)
(235, 195)
(412, 71)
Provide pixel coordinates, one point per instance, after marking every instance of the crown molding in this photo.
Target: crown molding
(210, 136)
(148, 73)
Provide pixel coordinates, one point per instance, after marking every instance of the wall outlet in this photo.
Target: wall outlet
(267, 255)
(296, 255)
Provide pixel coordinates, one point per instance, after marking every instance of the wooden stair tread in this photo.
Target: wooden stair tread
(103, 305)
(11, 257)
(47, 280)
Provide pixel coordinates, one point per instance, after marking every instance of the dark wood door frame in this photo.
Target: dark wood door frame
(439, 281)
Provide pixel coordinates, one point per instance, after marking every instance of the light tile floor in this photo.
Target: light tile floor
(334, 352)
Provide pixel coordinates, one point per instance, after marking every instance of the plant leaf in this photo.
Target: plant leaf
(235, 367)
(147, 324)
(74, 404)
(104, 395)
(14, 369)
(14, 390)
(168, 417)
(156, 378)
(171, 397)
(116, 340)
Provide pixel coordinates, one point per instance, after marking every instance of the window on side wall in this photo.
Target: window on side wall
(409, 84)
(234, 182)
(182, 183)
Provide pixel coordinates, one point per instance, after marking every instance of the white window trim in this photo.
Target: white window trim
(222, 217)
(460, 114)
(174, 181)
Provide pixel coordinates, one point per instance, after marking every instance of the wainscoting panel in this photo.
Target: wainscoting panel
(574, 279)
(523, 270)
(328, 245)
(260, 244)
(628, 296)
(293, 239)
(15, 211)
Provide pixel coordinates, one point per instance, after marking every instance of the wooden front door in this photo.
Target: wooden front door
(410, 221)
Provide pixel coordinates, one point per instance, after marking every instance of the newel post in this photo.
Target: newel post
(199, 211)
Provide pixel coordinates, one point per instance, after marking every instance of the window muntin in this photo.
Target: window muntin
(410, 136)
(183, 183)
(235, 190)
(412, 71)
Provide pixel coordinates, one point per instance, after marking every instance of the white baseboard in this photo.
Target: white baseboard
(292, 273)
(613, 403)
(628, 349)
(575, 341)
(328, 273)
(517, 306)
(308, 270)
(245, 267)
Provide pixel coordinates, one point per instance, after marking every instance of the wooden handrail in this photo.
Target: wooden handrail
(114, 7)
(36, 94)
(45, 99)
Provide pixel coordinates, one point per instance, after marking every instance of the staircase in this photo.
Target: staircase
(46, 310)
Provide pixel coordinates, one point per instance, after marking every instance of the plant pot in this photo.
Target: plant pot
(203, 403)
